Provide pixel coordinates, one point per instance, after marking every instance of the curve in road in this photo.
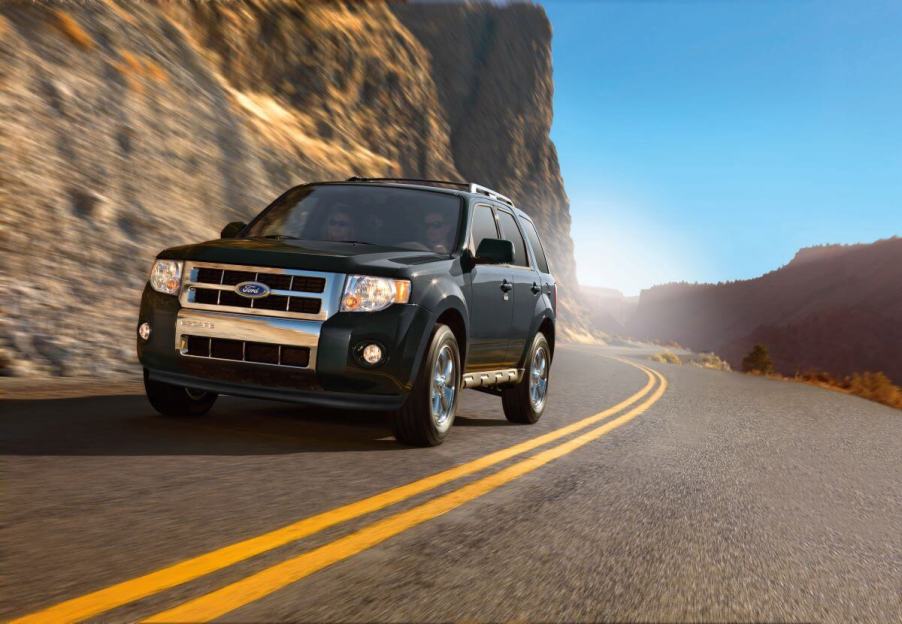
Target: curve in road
(260, 584)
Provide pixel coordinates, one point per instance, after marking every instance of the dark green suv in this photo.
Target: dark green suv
(376, 294)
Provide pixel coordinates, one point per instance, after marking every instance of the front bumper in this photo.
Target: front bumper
(333, 377)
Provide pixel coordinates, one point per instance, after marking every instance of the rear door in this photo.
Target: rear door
(491, 301)
(526, 285)
(540, 262)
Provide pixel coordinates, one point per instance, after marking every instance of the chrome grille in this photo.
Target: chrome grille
(294, 293)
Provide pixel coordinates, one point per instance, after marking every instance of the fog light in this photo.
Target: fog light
(144, 331)
(372, 354)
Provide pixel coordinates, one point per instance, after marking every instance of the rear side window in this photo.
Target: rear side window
(510, 232)
(533, 236)
(483, 225)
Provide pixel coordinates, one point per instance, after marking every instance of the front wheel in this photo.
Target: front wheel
(525, 402)
(428, 413)
(177, 401)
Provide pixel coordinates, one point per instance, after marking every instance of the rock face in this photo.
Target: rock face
(128, 128)
(835, 308)
(500, 108)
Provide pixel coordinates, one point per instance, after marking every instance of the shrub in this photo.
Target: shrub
(758, 361)
(872, 386)
(711, 360)
(876, 387)
(666, 357)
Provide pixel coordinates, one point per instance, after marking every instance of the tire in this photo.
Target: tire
(525, 402)
(177, 401)
(425, 418)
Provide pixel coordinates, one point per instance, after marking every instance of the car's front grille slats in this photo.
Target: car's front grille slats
(233, 278)
(246, 351)
(209, 276)
(232, 299)
(293, 293)
(275, 281)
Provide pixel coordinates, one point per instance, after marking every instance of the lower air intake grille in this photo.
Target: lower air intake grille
(241, 351)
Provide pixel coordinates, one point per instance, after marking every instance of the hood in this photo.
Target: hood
(312, 255)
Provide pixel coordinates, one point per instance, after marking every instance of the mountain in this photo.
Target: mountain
(608, 309)
(836, 308)
(129, 127)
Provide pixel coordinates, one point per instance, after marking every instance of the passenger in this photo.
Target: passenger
(438, 232)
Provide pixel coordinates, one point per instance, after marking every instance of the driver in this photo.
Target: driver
(438, 232)
(339, 225)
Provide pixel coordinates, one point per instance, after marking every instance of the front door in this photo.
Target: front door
(491, 302)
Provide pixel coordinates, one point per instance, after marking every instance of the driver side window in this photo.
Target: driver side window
(483, 225)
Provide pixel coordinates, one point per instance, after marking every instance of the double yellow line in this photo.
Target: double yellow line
(269, 580)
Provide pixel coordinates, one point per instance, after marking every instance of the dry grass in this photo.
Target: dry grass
(69, 27)
(666, 357)
(872, 386)
(712, 361)
(875, 387)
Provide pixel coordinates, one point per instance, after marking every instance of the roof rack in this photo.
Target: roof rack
(470, 186)
(484, 190)
(463, 185)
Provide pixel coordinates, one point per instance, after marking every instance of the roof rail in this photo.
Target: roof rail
(484, 190)
(463, 185)
(470, 186)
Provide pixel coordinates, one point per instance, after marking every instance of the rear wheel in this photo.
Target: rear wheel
(525, 402)
(428, 413)
(177, 401)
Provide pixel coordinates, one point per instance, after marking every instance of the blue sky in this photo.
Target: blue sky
(709, 140)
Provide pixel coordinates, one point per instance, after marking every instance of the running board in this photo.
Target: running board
(484, 379)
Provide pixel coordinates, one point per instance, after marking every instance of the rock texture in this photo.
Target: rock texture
(126, 128)
(834, 308)
(500, 108)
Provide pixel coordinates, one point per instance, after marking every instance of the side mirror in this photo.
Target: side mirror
(495, 251)
(232, 229)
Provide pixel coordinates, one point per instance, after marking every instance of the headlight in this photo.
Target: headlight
(166, 276)
(370, 294)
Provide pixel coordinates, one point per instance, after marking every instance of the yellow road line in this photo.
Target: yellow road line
(88, 605)
(265, 582)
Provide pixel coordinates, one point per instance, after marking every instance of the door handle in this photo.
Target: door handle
(536, 289)
(506, 286)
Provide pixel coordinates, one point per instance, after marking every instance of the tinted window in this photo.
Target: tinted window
(510, 232)
(378, 215)
(537, 250)
(483, 225)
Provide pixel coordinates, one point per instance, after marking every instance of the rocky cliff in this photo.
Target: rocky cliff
(499, 108)
(835, 308)
(129, 127)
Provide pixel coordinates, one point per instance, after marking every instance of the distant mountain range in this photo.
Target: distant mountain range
(836, 308)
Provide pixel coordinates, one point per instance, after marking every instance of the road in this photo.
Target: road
(695, 495)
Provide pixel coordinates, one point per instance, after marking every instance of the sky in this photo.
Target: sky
(706, 141)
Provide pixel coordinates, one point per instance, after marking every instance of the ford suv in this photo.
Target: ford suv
(373, 293)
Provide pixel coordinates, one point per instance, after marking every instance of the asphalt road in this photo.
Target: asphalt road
(710, 496)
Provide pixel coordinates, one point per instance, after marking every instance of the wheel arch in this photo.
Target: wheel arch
(544, 323)
(455, 320)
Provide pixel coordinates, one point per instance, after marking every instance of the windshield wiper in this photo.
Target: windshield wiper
(354, 242)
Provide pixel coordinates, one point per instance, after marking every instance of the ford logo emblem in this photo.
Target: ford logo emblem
(252, 290)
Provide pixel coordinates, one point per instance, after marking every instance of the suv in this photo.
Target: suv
(375, 293)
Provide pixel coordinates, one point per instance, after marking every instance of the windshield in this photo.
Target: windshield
(375, 215)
